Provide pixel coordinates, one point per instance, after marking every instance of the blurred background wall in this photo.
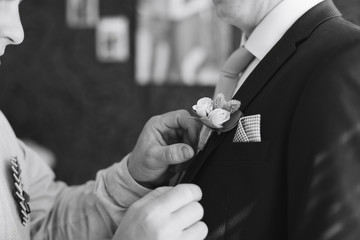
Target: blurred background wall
(54, 91)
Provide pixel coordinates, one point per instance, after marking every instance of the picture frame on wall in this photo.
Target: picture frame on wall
(180, 42)
(112, 39)
(82, 13)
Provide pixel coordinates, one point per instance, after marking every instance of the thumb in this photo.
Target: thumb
(176, 153)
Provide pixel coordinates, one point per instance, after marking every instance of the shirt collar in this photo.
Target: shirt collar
(271, 29)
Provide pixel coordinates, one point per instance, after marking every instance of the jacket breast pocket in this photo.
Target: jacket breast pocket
(244, 152)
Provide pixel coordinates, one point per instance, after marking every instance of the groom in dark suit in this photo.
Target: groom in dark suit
(302, 180)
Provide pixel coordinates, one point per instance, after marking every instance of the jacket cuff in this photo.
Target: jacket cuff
(117, 184)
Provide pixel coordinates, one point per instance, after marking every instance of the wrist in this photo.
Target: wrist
(145, 177)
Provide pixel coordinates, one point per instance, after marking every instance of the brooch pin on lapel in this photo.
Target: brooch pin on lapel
(21, 197)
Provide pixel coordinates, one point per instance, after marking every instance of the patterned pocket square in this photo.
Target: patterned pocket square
(248, 129)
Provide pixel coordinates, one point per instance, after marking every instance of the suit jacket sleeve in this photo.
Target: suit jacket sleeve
(89, 211)
(324, 152)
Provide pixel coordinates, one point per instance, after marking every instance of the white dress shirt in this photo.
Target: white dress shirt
(271, 29)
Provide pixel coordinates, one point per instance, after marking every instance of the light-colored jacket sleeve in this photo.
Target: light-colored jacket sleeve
(89, 211)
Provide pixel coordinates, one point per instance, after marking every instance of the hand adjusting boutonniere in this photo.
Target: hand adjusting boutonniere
(217, 115)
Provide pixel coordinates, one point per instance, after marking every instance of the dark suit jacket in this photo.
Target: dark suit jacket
(303, 180)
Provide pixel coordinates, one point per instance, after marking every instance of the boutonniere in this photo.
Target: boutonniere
(217, 113)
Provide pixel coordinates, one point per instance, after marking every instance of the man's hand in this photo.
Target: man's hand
(166, 140)
(165, 213)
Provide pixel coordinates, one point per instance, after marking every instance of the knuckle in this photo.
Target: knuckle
(161, 190)
(170, 156)
(198, 210)
(154, 119)
(151, 219)
(135, 207)
(182, 112)
(203, 229)
(157, 224)
(190, 191)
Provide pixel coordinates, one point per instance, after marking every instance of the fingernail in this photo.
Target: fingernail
(186, 152)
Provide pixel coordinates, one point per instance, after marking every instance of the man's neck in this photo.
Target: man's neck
(265, 7)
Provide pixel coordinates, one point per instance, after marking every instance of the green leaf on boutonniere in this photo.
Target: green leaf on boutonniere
(230, 106)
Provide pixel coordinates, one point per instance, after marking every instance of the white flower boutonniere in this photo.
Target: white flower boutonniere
(214, 113)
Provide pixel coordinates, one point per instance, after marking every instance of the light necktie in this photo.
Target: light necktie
(229, 77)
(233, 67)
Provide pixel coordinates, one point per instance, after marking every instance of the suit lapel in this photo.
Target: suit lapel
(199, 160)
(283, 50)
(265, 70)
(257, 80)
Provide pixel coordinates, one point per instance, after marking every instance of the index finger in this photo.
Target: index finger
(154, 194)
(178, 197)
